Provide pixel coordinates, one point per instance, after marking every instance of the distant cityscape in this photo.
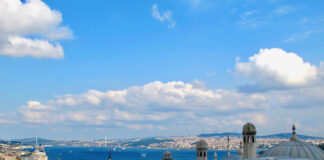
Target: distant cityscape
(216, 141)
(34, 148)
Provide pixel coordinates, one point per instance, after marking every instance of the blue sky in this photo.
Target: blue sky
(90, 69)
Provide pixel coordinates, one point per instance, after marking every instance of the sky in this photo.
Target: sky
(123, 69)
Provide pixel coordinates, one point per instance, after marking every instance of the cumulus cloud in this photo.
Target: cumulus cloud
(151, 106)
(276, 68)
(175, 95)
(17, 46)
(20, 21)
(163, 17)
(35, 112)
(177, 106)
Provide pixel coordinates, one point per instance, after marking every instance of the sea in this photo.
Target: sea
(97, 153)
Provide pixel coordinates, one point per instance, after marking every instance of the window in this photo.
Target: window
(204, 154)
(200, 154)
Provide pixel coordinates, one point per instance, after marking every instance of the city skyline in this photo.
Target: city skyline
(124, 69)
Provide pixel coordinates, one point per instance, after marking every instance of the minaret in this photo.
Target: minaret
(241, 148)
(228, 147)
(109, 153)
(167, 155)
(109, 157)
(215, 156)
(249, 148)
(202, 148)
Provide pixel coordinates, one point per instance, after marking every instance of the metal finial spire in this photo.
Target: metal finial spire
(109, 158)
(294, 136)
(215, 156)
(228, 147)
(109, 151)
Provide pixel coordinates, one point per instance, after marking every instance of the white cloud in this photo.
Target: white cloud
(300, 36)
(17, 46)
(142, 107)
(201, 4)
(35, 112)
(277, 68)
(175, 95)
(284, 10)
(163, 17)
(140, 126)
(177, 106)
(88, 117)
(250, 19)
(20, 21)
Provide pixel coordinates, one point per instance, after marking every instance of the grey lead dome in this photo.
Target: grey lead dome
(202, 145)
(295, 149)
(249, 129)
(167, 155)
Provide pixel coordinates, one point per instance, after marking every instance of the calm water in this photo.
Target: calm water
(90, 153)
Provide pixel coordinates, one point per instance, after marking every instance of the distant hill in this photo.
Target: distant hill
(9, 142)
(225, 134)
(279, 135)
(146, 142)
(288, 135)
(32, 141)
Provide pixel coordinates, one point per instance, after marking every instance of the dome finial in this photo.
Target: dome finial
(294, 136)
(294, 129)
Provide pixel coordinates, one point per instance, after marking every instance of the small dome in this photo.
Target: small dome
(202, 145)
(249, 129)
(167, 155)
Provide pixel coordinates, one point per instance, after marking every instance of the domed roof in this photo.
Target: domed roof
(295, 149)
(167, 155)
(249, 129)
(202, 145)
(234, 157)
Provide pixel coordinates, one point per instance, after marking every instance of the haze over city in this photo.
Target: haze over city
(124, 69)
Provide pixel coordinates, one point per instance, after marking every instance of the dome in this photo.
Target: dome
(234, 157)
(167, 155)
(295, 149)
(249, 129)
(202, 145)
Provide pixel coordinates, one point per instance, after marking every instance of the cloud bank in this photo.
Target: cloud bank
(30, 29)
(291, 97)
